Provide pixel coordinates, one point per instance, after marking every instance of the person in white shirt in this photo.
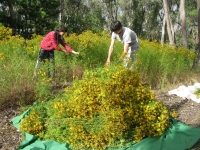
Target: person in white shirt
(130, 40)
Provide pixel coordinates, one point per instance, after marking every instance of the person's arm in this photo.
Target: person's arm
(67, 49)
(111, 48)
(67, 52)
(126, 46)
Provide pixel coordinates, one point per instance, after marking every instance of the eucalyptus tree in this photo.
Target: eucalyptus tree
(96, 19)
(152, 23)
(183, 22)
(142, 16)
(191, 21)
(147, 18)
(133, 12)
(170, 30)
(184, 13)
(112, 7)
(177, 14)
(106, 10)
(196, 61)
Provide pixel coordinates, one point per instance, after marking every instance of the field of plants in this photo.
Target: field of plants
(104, 106)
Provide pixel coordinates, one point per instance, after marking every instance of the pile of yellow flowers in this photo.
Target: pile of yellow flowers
(107, 105)
(33, 123)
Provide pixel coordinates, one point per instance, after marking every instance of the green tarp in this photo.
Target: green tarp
(178, 137)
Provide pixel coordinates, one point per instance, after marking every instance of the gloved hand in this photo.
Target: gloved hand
(107, 63)
(74, 52)
(123, 55)
(67, 53)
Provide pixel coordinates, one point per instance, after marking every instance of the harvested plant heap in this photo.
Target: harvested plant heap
(106, 106)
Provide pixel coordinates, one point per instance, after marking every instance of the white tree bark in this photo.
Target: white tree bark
(183, 22)
(198, 14)
(163, 31)
(169, 23)
(196, 61)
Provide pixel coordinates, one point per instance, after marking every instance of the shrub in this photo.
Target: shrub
(6, 33)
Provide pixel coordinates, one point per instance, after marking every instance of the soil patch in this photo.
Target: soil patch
(188, 110)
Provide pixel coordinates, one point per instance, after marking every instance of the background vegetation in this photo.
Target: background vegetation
(146, 18)
(18, 57)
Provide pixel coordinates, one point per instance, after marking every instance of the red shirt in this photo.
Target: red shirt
(51, 41)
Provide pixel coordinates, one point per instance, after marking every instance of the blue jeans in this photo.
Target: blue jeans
(43, 56)
(130, 57)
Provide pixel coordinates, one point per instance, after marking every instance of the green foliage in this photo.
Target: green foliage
(38, 14)
(19, 56)
(91, 47)
(91, 21)
(93, 50)
(43, 85)
(197, 93)
(16, 71)
(162, 65)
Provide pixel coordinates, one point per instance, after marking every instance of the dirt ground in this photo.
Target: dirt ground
(10, 138)
(188, 110)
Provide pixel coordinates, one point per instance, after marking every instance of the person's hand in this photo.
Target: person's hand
(107, 63)
(123, 55)
(67, 52)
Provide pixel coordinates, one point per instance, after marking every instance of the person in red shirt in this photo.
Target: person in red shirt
(47, 46)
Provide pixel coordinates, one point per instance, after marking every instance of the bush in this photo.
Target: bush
(6, 33)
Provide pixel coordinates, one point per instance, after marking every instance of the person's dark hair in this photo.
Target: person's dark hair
(61, 28)
(115, 26)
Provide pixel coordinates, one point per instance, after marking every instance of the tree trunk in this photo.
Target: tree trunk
(183, 22)
(13, 16)
(168, 20)
(130, 20)
(163, 31)
(112, 9)
(196, 60)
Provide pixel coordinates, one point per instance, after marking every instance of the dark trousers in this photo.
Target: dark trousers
(43, 57)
